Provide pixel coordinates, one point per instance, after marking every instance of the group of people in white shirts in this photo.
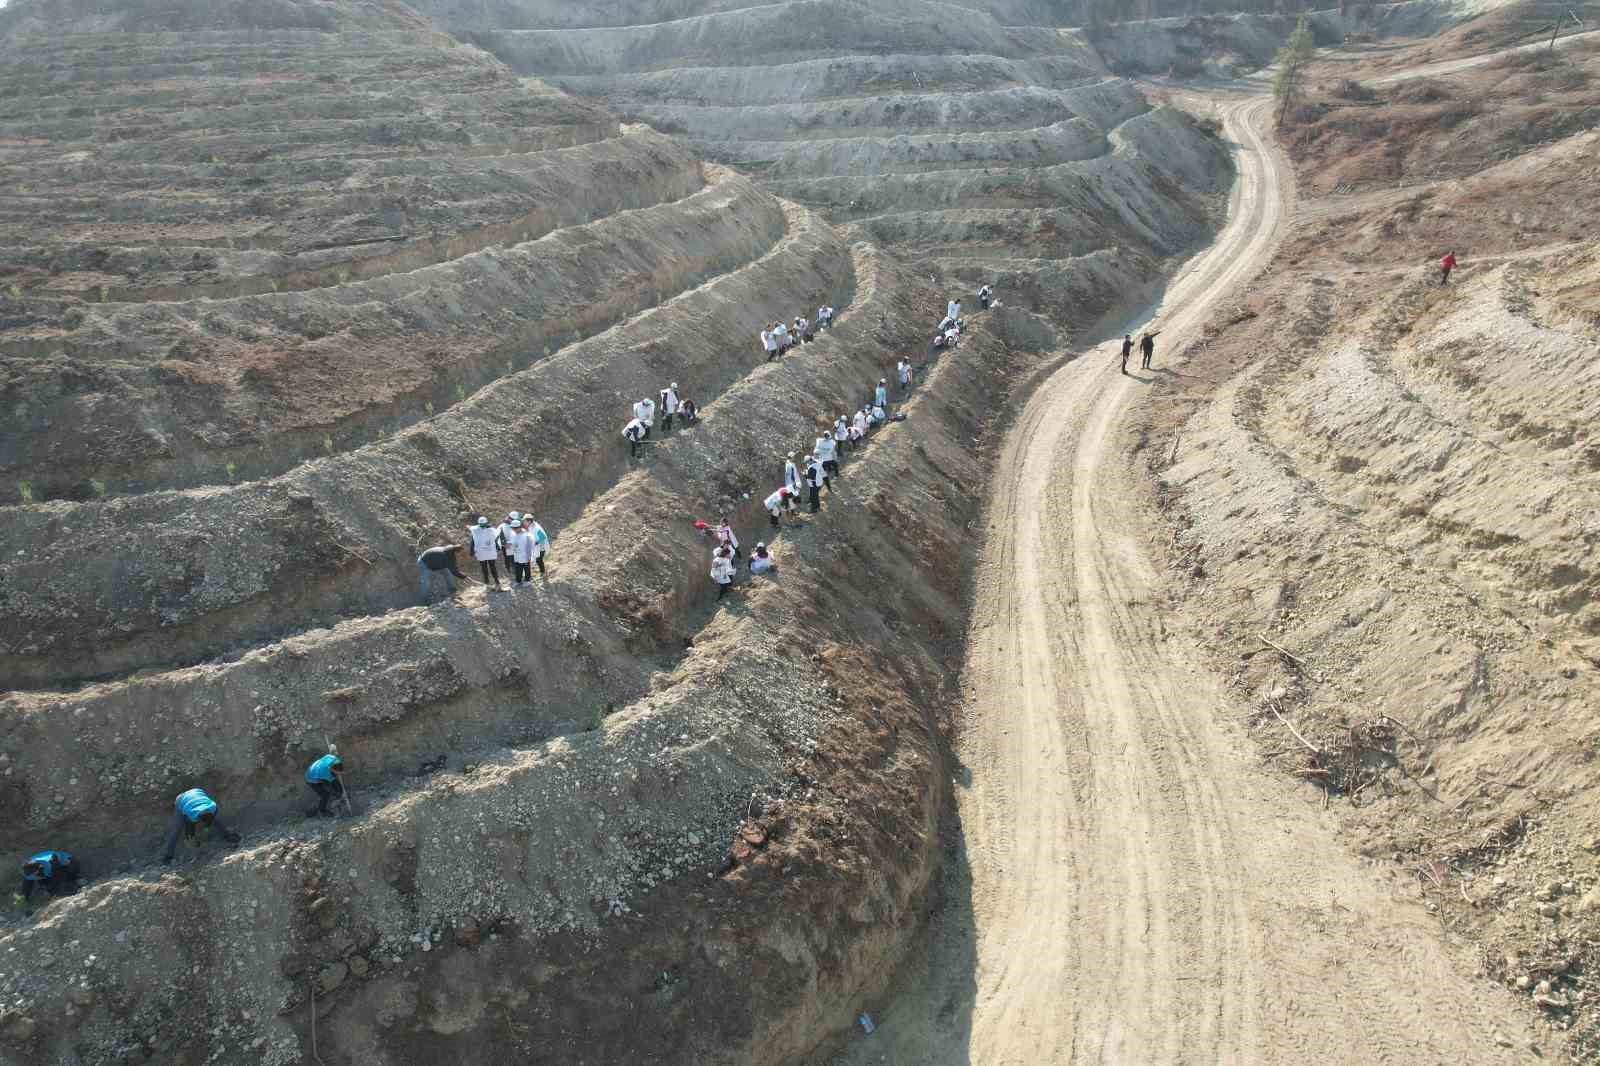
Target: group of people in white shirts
(519, 542)
(726, 553)
(778, 337)
(948, 335)
(644, 417)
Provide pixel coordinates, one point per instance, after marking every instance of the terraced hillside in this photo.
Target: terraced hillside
(299, 289)
(974, 142)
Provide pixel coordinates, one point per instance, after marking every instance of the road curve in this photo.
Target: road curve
(1128, 887)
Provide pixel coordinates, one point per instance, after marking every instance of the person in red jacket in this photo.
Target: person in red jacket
(1447, 264)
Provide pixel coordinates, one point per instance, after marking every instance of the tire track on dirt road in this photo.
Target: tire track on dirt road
(1139, 891)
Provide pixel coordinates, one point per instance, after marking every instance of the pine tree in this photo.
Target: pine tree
(1292, 58)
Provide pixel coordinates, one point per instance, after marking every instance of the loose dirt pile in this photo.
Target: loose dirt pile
(305, 287)
(1396, 482)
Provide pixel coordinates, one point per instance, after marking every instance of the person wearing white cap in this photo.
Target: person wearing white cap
(860, 425)
(881, 395)
(722, 570)
(780, 333)
(521, 546)
(485, 551)
(645, 411)
(761, 559)
(769, 343)
(824, 316)
(540, 539)
(841, 436)
(823, 450)
(791, 474)
(814, 479)
(503, 537)
(634, 432)
(903, 369)
(952, 309)
(669, 406)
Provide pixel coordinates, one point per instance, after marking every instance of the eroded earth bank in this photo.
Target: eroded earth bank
(299, 289)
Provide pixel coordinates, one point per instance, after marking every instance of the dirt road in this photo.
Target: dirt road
(1128, 887)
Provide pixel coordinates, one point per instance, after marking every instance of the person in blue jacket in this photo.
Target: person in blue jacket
(323, 777)
(54, 871)
(194, 809)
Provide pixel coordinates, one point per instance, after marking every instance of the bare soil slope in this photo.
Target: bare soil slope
(1397, 482)
(986, 145)
(664, 829)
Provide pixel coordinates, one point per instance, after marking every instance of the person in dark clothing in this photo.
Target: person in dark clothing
(814, 479)
(1127, 350)
(322, 777)
(439, 560)
(54, 871)
(1147, 349)
(688, 412)
(194, 809)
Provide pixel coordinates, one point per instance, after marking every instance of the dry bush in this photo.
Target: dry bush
(1421, 91)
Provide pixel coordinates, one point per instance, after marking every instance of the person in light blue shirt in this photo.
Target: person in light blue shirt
(323, 777)
(194, 810)
(54, 871)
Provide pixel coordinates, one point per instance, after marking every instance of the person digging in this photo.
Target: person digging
(194, 815)
(54, 871)
(322, 777)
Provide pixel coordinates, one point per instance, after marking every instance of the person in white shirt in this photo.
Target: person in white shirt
(985, 297)
(485, 551)
(781, 332)
(722, 571)
(952, 337)
(777, 503)
(825, 455)
(761, 560)
(880, 395)
(802, 328)
(540, 540)
(645, 412)
(953, 309)
(727, 538)
(769, 343)
(669, 406)
(791, 474)
(521, 546)
(903, 368)
(503, 536)
(841, 435)
(824, 317)
(814, 479)
(860, 423)
(634, 432)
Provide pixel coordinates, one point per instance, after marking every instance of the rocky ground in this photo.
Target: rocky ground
(1378, 498)
(301, 289)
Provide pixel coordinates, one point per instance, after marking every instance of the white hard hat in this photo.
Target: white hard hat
(483, 520)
